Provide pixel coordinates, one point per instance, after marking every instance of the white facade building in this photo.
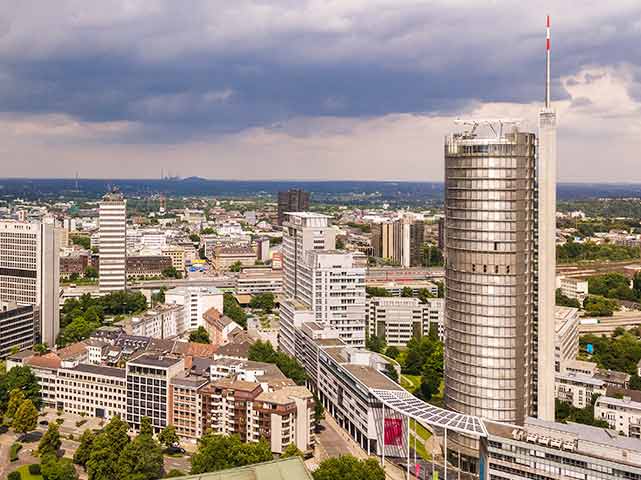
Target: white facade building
(574, 288)
(113, 243)
(196, 301)
(567, 335)
(30, 272)
(622, 414)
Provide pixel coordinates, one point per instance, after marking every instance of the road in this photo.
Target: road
(607, 325)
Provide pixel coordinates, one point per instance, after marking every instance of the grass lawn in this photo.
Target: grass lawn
(421, 431)
(25, 475)
(411, 383)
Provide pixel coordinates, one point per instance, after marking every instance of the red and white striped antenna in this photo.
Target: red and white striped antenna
(547, 65)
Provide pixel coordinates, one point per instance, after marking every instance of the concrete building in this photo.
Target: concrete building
(400, 241)
(574, 288)
(398, 319)
(148, 378)
(92, 390)
(163, 321)
(113, 242)
(490, 322)
(253, 281)
(294, 200)
(141, 266)
(622, 414)
(30, 272)
(566, 340)
(195, 301)
(262, 249)
(225, 257)
(395, 288)
(546, 450)
(177, 255)
(577, 389)
(18, 325)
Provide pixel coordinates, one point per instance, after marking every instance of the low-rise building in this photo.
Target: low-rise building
(622, 414)
(574, 288)
(253, 281)
(545, 450)
(176, 254)
(139, 266)
(163, 321)
(225, 257)
(577, 389)
(395, 288)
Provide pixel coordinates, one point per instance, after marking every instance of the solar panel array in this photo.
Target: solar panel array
(407, 404)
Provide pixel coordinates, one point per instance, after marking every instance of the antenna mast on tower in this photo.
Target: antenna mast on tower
(547, 65)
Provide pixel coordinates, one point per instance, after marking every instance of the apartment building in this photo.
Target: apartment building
(622, 414)
(30, 272)
(195, 301)
(185, 405)
(19, 326)
(566, 341)
(176, 254)
(148, 378)
(163, 321)
(545, 450)
(400, 240)
(398, 319)
(93, 390)
(577, 389)
(574, 288)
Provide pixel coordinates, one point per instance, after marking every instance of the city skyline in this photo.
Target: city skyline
(311, 91)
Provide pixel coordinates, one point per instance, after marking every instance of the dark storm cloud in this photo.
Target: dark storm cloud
(182, 69)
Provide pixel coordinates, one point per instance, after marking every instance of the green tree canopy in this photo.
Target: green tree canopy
(233, 310)
(349, 467)
(16, 397)
(292, 451)
(377, 292)
(81, 456)
(106, 448)
(53, 468)
(142, 458)
(291, 368)
(168, 436)
(220, 452)
(263, 301)
(50, 442)
(236, 266)
(200, 335)
(26, 418)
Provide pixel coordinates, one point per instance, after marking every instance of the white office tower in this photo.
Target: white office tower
(30, 272)
(320, 284)
(112, 231)
(547, 249)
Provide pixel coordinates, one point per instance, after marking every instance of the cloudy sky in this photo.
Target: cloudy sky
(307, 89)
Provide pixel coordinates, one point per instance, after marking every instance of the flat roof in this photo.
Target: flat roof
(155, 360)
(99, 370)
(577, 377)
(620, 402)
(371, 377)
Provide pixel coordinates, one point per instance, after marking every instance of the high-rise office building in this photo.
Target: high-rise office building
(490, 274)
(400, 241)
(293, 200)
(113, 242)
(320, 284)
(18, 326)
(30, 272)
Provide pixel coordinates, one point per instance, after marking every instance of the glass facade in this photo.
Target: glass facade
(490, 241)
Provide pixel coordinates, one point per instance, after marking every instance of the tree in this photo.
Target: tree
(84, 242)
(292, 451)
(26, 418)
(263, 301)
(349, 467)
(563, 301)
(174, 472)
(424, 295)
(84, 449)
(194, 237)
(91, 272)
(41, 348)
(22, 378)
(142, 458)
(599, 306)
(377, 292)
(50, 442)
(219, 452)
(392, 352)
(319, 411)
(233, 310)
(391, 372)
(171, 272)
(53, 468)
(264, 352)
(16, 397)
(236, 266)
(200, 335)
(106, 449)
(375, 343)
(168, 436)
(407, 292)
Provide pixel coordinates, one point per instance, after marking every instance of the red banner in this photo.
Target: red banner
(394, 431)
